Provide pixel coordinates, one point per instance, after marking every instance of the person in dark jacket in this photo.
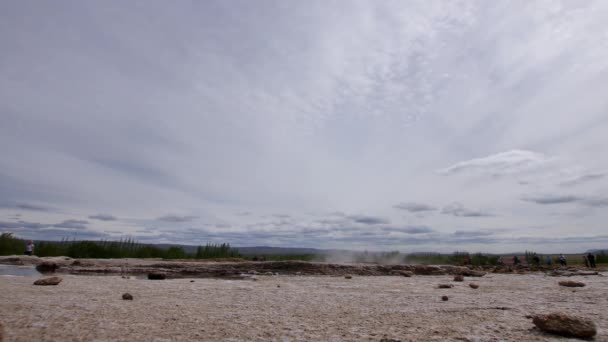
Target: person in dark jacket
(591, 260)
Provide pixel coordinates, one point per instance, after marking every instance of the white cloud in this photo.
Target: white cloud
(503, 163)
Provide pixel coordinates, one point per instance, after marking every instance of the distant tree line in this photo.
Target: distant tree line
(124, 248)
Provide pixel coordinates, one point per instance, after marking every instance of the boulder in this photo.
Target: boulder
(571, 283)
(565, 325)
(444, 298)
(459, 277)
(473, 285)
(445, 286)
(157, 276)
(47, 267)
(48, 281)
(127, 296)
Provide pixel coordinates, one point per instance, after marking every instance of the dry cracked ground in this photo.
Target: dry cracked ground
(294, 308)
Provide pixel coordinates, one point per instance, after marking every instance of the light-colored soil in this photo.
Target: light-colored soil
(311, 308)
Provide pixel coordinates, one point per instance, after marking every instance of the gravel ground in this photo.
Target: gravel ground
(294, 308)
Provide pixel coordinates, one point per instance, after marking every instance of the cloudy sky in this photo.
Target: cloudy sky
(379, 125)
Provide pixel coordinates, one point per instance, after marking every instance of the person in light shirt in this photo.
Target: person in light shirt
(29, 247)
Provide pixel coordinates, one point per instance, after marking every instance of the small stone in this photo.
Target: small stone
(157, 276)
(386, 339)
(278, 285)
(127, 296)
(445, 286)
(473, 285)
(192, 281)
(444, 298)
(565, 325)
(571, 283)
(458, 277)
(348, 276)
(48, 281)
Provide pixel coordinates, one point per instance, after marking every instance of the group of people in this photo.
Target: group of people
(589, 260)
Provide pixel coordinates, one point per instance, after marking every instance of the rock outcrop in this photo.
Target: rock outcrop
(48, 281)
(571, 283)
(565, 325)
(47, 267)
(157, 276)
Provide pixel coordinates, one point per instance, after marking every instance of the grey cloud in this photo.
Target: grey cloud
(471, 233)
(457, 209)
(584, 179)
(409, 229)
(414, 207)
(176, 218)
(332, 221)
(368, 219)
(72, 224)
(103, 217)
(589, 201)
(32, 207)
(595, 202)
(22, 224)
(551, 199)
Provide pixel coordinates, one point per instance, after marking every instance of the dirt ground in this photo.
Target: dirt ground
(294, 308)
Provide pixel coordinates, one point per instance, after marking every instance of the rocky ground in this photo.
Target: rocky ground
(295, 307)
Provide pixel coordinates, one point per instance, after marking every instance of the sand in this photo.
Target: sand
(294, 308)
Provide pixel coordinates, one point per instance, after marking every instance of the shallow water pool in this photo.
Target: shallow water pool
(23, 271)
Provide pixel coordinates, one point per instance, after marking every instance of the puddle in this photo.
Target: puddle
(22, 271)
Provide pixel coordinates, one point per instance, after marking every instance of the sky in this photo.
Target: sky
(362, 125)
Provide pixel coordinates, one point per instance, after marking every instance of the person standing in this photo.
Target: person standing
(591, 260)
(29, 247)
(562, 260)
(548, 260)
(586, 260)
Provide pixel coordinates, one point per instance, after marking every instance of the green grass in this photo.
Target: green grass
(126, 248)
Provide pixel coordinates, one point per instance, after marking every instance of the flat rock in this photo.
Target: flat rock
(565, 325)
(571, 283)
(445, 286)
(48, 281)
